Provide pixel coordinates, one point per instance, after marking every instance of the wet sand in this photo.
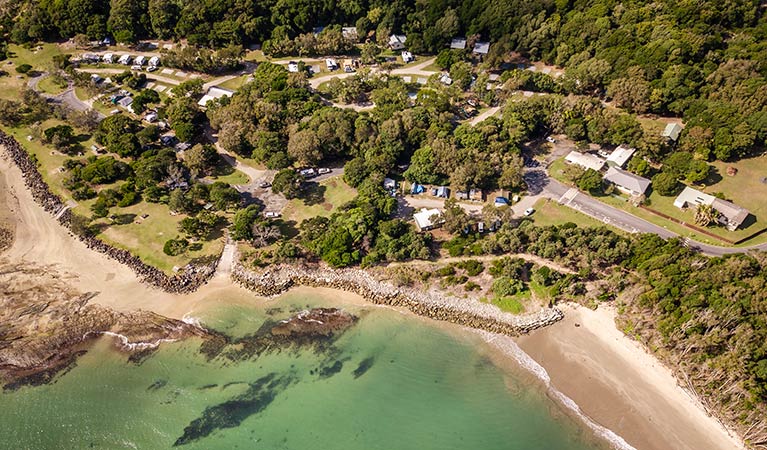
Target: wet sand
(619, 385)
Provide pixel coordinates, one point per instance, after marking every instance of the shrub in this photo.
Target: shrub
(174, 247)
(23, 68)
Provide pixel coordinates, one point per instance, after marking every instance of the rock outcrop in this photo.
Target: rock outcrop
(45, 325)
(467, 312)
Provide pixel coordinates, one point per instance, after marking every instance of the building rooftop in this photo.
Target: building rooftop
(620, 156)
(627, 180)
(733, 214)
(482, 48)
(423, 218)
(214, 92)
(672, 131)
(458, 43)
(585, 160)
(350, 33)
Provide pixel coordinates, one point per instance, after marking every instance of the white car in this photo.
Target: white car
(323, 171)
(551, 139)
(529, 211)
(271, 214)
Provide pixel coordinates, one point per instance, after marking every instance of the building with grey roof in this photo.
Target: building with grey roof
(626, 181)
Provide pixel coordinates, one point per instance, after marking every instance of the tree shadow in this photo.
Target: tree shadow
(314, 194)
(288, 228)
(82, 137)
(122, 219)
(222, 168)
(714, 176)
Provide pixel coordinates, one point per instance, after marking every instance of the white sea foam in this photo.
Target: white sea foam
(509, 347)
(126, 343)
(194, 321)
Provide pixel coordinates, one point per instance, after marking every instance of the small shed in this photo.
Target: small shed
(458, 43)
(481, 48)
(427, 219)
(672, 131)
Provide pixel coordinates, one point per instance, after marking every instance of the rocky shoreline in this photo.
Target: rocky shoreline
(188, 280)
(45, 325)
(466, 312)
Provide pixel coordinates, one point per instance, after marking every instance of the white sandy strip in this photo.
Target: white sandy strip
(601, 323)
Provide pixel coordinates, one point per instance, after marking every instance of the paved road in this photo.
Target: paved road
(610, 215)
(490, 112)
(150, 76)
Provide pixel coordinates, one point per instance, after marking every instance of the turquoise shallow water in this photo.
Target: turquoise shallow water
(390, 382)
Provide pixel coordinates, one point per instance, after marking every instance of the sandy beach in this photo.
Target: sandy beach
(611, 378)
(620, 386)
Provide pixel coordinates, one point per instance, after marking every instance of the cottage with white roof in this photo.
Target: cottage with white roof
(481, 48)
(585, 160)
(620, 156)
(458, 43)
(213, 93)
(425, 219)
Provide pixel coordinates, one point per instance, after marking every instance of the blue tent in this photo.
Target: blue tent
(501, 201)
(417, 189)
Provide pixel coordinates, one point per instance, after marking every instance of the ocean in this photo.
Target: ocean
(391, 381)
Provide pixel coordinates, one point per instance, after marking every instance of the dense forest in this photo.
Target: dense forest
(705, 61)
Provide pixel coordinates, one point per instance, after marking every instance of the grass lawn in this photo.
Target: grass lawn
(330, 194)
(513, 304)
(50, 160)
(11, 85)
(48, 86)
(746, 188)
(557, 171)
(235, 83)
(145, 237)
(234, 177)
(38, 59)
(549, 212)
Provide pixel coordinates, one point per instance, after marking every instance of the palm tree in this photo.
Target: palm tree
(705, 215)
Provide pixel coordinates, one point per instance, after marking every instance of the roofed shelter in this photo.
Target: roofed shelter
(620, 156)
(672, 131)
(731, 215)
(585, 160)
(627, 181)
(424, 219)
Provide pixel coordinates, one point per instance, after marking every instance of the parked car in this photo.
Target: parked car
(529, 211)
(151, 68)
(551, 139)
(324, 170)
(308, 173)
(264, 184)
(271, 214)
